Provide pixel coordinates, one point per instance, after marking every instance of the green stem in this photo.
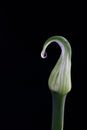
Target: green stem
(58, 111)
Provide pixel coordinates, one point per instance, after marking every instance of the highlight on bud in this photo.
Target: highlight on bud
(60, 77)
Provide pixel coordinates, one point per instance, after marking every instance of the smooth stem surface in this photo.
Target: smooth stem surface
(58, 111)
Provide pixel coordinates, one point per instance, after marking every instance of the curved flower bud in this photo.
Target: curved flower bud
(60, 77)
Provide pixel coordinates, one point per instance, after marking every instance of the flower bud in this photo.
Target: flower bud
(60, 77)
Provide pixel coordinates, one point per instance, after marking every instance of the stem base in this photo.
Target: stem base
(58, 111)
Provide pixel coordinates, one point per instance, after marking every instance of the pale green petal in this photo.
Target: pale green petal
(60, 77)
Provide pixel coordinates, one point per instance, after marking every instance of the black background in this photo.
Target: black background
(25, 99)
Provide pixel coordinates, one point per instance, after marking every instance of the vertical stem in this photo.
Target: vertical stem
(58, 111)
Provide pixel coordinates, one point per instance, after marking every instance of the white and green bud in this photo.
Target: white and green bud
(60, 77)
